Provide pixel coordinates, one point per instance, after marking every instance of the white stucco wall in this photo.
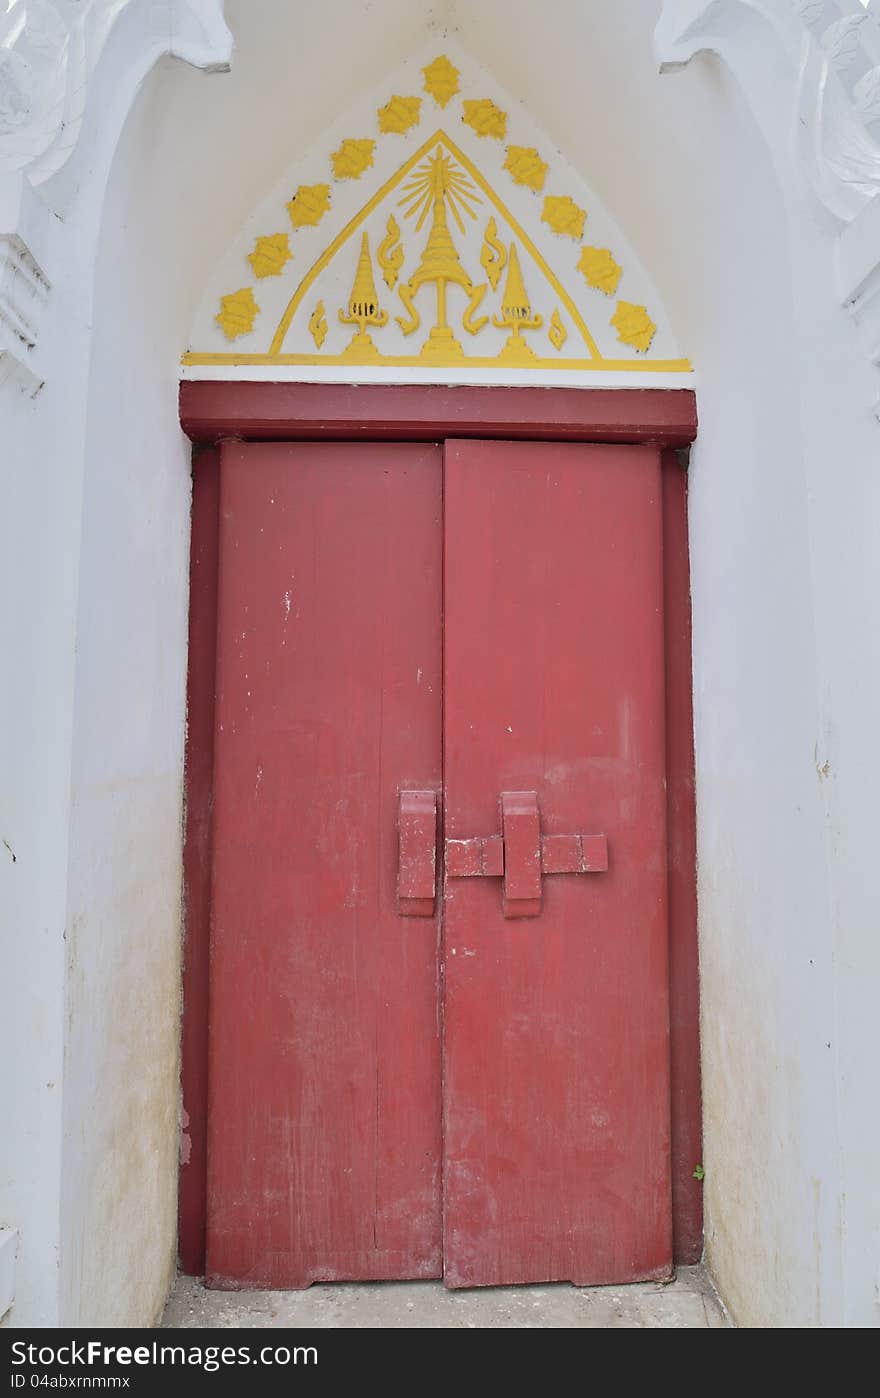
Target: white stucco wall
(704, 179)
(120, 1102)
(35, 737)
(92, 739)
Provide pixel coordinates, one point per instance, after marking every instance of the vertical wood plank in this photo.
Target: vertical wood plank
(556, 1109)
(198, 786)
(324, 1091)
(687, 1192)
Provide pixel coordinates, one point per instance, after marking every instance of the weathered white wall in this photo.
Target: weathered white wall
(120, 1100)
(35, 717)
(90, 748)
(784, 518)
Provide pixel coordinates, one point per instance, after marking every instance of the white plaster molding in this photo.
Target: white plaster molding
(24, 285)
(828, 52)
(23, 292)
(51, 73)
(49, 50)
(831, 52)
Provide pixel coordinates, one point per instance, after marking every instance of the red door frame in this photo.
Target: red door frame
(210, 412)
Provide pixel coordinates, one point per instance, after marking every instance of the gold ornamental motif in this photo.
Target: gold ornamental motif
(600, 270)
(564, 215)
(399, 114)
(441, 80)
(363, 309)
(439, 186)
(270, 254)
(318, 325)
(485, 118)
(634, 326)
(352, 159)
(309, 205)
(525, 166)
(493, 255)
(440, 194)
(556, 331)
(449, 249)
(516, 315)
(237, 313)
(389, 253)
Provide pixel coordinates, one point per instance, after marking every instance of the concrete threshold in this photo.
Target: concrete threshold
(687, 1303)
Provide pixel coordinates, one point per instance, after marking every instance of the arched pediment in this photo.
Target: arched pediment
(433, 232)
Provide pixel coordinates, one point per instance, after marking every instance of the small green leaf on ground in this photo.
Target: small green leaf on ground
(699, 1172)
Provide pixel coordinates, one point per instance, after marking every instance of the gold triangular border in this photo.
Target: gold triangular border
(439, 138)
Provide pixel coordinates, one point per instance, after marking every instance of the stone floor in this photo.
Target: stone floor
(688, 1303)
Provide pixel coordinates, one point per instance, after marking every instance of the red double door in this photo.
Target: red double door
(439, 1042)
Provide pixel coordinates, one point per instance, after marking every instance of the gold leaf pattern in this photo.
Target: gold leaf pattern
(556, 331)
(237, 313)
(441, 80)
(399, 114)
(318, 325)
(633, 325)
(564, 215)
(473, 323)
(309, 205)
(270, 254)
(493, 254)
(389, 253)
(600, 270)
(352, 158)
(485, 118)
(526, 166)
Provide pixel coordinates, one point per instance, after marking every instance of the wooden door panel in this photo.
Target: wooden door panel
(556, 1105)
(324, 1094)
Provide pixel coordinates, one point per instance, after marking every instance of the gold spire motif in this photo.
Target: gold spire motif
(439, 183)
(363, 308)
(516, 314)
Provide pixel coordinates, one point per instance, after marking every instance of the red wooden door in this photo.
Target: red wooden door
(324, 1081)
(325, 1074)
(556, 1080)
